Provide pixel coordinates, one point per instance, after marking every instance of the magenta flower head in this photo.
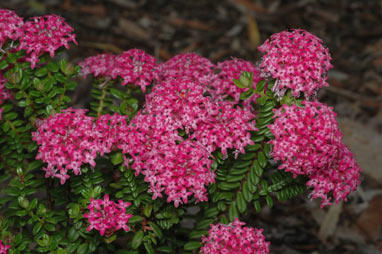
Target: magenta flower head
(10, 26)
(106, 216)
(45, 35)
(67, 141)
(101, 65)
(297, 60)
(4, 248)
(234, 239)
(70, 139)
(180, 164)
(337, 181)
(309, 142)
(135, 67)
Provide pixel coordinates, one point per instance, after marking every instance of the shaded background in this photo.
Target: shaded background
(218, 30)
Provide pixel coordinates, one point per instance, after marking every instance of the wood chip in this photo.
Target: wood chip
(132, 30)
(329, 224)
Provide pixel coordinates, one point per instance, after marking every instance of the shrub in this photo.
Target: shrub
(219, 137)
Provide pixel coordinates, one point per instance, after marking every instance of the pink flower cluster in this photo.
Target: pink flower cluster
(45, 35)
(4, 248)
(308, 142)
(134, 67)
(297, 60)
(178, 164)
(37, 36)
(107, 216)
(4, 93)
(69, 139)
(234, 239)
(178, 167)
(10, 26)
(137, 67)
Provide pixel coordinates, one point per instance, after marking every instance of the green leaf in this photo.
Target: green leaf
(147, 210)
(246, 94)
(71, 85)
(252, 148)
(224, 220)
(148, 247)
(68, 70)
(269, 201)
(33, 203)
(10, 116)
(228, 186)
(44, 240)
(36, 228)
(246, 78)
(117, 158)
(60, 78)
(232, 212)
(21, 213)
(197, 234)
(211, 212)
(41, 72)
(233, 179)
(264, 184)
(35, 164)
(204, 223)
(258, 169)
(165, 249)
(6, 108)
(11, 58)
(221, 206)
(246, 192)
(262, 159)
(61, 251)
(137, 239)
(73, 234)
(260, 86)
(242, 163)
(241, 203)
(262, 100)
(192, 245)
(257, 139)
(238, 83)
(22, 104)
(116, 93)
(52, 66)
(82, 249)
(157, 231)
(72, 247)
(110, 239)
(49, 227)
(267, 149)
(3, 65)
(257, 206)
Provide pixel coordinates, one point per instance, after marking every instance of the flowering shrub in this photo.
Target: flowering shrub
(160, 138)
